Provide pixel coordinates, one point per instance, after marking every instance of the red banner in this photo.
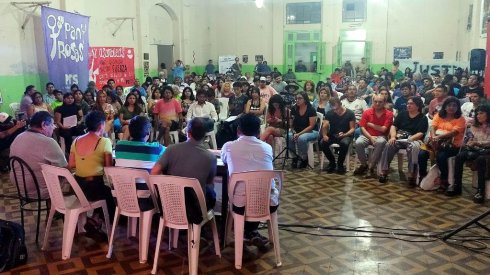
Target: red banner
(111, 62)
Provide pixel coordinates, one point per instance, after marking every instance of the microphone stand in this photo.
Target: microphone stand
(286, 149)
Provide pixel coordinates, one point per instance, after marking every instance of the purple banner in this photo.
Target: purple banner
(66, 42)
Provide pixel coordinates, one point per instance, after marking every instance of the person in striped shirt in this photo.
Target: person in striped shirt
(137, 153)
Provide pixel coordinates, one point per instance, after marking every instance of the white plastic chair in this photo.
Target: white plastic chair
(212, 137)
(72, 207)
(171, 192)
(124, 183)
(332, 147)
(257, 208)
(14, 108)
(311, 154)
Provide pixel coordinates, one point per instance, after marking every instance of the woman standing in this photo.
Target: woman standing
(477, 150)
(255, 105)
(304, 129)
(275, 119)
(129, 110)
(446, 138)
(65, 111)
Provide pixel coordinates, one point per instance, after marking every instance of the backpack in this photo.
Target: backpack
(13, 251)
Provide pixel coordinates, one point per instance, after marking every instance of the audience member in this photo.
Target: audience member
(266, 91)
(68, 111)
(446, 138)
(48, 98)
(440, 94)
(477, 149)
(337, 128)
(374, 124)
(275, 119)
(407, 132)
(203, 109)
(129, 110)
(304, 129)
(255, 105)
(168, 114)
(321, 103)
(26, 101)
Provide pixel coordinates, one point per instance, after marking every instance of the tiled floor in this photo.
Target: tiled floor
(310, 197)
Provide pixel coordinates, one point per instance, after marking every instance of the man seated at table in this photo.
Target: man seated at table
(138, 153)
(248, 153)
(35, 146)
(191, 159)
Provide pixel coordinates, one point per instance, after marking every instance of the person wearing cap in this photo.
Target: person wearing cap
(266, 91)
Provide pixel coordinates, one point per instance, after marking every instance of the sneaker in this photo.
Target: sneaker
(361, 170)
(303, 163)
(294, 163)
(412, 182)
(258, 240)
(479, 198)
(341, 170)
(331, 168)
(383, 178)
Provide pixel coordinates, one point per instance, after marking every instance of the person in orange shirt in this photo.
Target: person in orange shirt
(446, 138)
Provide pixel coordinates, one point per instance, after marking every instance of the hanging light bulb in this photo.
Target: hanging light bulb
(259, 3)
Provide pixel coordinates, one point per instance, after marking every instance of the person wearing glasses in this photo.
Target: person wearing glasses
(304, 129)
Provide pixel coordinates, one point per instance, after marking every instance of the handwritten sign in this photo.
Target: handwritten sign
(111, 62)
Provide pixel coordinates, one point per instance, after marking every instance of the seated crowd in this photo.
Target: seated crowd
(430, 117)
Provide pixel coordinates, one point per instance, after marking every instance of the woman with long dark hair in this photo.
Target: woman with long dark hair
(303, 128)
(477, 149)
(275, 119)
(68, 110)
(446, 138)
(129, 110)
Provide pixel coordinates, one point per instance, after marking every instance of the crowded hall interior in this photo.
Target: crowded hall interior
(244, 137)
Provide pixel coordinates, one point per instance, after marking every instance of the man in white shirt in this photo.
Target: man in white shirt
(357, 105)
(468, 108)
(202, 108)
(248, 153)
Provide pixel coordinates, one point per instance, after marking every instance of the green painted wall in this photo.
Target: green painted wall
(12, 87)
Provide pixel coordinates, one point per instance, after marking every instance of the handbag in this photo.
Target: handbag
(401, 134)
(428, 183)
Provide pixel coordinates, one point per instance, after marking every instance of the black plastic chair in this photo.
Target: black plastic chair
(20, 169)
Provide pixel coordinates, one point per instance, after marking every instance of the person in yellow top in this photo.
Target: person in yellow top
(446, 138)
(89, 154)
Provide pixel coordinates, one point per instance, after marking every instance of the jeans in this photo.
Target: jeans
(481, 165)
(390, 151)
(344, 144)
(442, 157)
(251, 226)
(302, 143)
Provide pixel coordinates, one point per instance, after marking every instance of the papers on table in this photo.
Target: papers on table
(70, 121)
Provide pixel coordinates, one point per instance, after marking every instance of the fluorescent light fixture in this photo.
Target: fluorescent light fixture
(259, 3)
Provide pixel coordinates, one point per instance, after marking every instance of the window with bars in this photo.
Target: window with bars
(354, 11)
(304, 13)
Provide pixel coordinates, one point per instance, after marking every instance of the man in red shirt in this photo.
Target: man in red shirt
(375, 123)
